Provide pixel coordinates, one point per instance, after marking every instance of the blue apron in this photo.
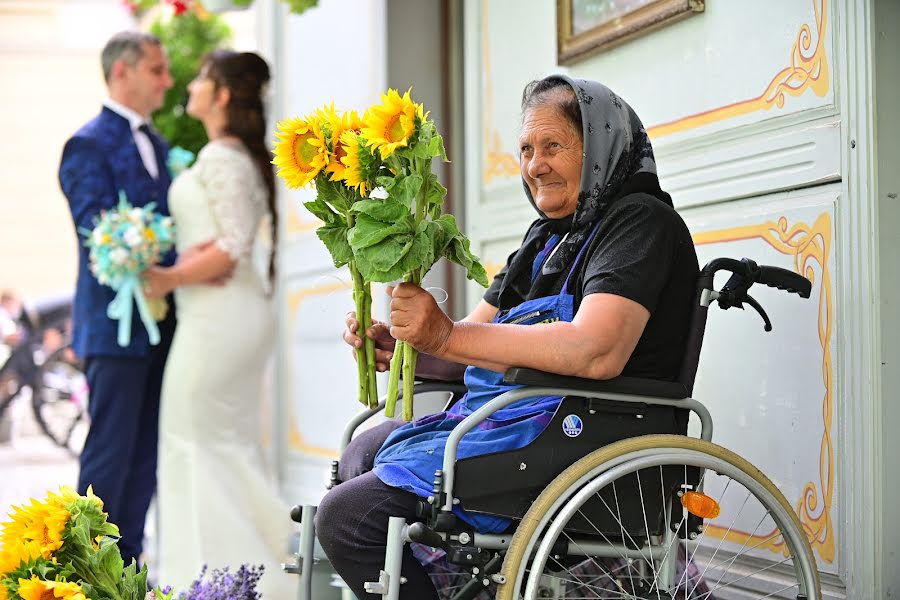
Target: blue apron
(412, 453)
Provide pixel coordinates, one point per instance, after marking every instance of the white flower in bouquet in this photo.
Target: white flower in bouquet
(133, 237)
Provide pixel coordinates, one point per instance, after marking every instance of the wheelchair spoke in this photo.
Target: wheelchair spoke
(750, 544)
(740, 551)
(617, 592)
(627, 563)
(747, 576)
(637, 475)
(730, 527)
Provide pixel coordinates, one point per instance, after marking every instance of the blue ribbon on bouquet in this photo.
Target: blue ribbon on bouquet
(129, 293)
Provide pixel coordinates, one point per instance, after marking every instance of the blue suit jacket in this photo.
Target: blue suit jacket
(98, 161)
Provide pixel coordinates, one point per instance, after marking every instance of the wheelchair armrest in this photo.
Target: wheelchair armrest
(455, 387)
(618, 385)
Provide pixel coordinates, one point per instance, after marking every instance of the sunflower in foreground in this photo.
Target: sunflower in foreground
(14, 555)
(390, 125)
(338, 124)
(43, 523)
(40, 589)
(300, 152)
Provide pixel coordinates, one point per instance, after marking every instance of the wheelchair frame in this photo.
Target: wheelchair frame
(622, 389)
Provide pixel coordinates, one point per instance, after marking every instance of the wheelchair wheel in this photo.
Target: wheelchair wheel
(60, 400)
(661, 517)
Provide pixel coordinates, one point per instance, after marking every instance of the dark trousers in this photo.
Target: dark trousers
(352, 521)
(119, 456)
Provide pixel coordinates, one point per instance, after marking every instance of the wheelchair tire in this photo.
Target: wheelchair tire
(784, 556)
(59, 400)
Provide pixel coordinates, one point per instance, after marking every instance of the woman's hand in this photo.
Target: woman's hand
(417, 319)
(384, 343)
(158, 282)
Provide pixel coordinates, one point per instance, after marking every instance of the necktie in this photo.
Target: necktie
(151, 160)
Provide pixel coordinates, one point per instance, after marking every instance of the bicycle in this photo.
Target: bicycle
(43, 367)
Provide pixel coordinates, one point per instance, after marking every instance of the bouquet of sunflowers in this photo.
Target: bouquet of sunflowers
(126, 241)
(381, 209)
(64, 548)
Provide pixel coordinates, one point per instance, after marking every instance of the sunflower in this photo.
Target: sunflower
(349, 121)
(391, 124)
(14, 555)
(300, 152)
(43, 523)
(41, 589)
(357, 161)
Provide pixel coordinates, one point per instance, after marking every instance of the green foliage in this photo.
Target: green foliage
(299, 6)
(187, 39)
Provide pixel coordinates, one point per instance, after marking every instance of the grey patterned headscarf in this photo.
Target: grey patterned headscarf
(617, 161)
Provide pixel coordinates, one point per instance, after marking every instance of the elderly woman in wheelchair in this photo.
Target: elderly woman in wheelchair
(589, 335)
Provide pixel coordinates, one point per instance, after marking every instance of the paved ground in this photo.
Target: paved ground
(31, 464)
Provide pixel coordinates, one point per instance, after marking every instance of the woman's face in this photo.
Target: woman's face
(203, 98)
(550, 158)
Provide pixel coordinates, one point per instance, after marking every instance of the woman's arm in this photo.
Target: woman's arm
(596, 344)
(205, 265)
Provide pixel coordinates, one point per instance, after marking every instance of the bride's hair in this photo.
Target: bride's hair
(246, 76)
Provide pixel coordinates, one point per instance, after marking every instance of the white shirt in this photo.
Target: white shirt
(144, 145)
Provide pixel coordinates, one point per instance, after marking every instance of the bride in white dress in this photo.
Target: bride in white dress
(218, 506)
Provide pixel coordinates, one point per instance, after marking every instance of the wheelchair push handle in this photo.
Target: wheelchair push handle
(744, 273)
(783, 279)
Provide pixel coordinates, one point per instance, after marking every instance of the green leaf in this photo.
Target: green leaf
(405, 189)
(368, 231)
(322, 211)
(335, 194)
(458, 251)
(387, 211)
(436, 192)
(421, 255)
(108, 560)
(382, 262)
(436, 148)
(335, 239)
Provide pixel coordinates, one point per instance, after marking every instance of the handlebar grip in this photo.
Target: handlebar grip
(785, 280)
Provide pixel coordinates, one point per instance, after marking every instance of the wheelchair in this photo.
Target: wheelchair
(612, 499)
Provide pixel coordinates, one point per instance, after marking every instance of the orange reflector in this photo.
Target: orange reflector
(700, 505)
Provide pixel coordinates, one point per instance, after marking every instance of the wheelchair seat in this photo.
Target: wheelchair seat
(506, 483)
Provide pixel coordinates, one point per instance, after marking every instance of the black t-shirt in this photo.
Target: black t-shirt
(642, 251)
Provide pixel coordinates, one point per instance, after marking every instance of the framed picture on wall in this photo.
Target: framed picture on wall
(589, 26)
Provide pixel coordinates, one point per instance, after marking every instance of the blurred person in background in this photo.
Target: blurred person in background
(118, 151)
(217, 505)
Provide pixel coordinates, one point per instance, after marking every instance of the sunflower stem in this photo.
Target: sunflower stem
(394, 379)
(409, 378)
(361, 352)
(370, 348)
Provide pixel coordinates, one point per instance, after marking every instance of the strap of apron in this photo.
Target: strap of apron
(587, 242)
(543, 255)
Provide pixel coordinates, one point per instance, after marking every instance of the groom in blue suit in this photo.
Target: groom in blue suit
(117, 150)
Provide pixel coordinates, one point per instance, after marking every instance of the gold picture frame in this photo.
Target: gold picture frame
(585, 27)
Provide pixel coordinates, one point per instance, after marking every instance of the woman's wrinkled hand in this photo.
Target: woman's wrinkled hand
(417, 319)
(378, 332)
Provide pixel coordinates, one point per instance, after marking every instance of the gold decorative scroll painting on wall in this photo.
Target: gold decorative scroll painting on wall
(810, 247)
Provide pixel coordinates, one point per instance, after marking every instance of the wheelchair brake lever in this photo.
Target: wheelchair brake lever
(756, 306)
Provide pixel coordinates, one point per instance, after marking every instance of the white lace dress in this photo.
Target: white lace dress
(218, 505)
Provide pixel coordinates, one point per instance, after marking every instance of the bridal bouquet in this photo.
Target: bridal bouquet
(381, 209)
(126, 241)
(63, 547)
